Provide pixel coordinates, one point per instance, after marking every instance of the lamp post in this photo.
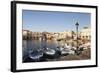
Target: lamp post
(77, 24)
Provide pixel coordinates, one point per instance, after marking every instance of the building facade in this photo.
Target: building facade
(85, 33)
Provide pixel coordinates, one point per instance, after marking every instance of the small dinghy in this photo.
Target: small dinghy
(49, 53)
(65, 52)
(62, 51)
(35, 55)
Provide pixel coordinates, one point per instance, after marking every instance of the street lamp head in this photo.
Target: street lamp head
(77, 24)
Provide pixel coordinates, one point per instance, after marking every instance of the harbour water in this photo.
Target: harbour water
(29, 45)
(37, 44)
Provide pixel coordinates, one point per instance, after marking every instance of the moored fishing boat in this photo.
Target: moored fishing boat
(35, 55)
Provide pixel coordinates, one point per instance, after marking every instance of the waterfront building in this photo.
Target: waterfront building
(85, 33)
(62, 35)
(27, 34)
(36, 35)
(67, 35)
(24, 32)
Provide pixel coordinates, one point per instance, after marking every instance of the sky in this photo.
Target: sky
(54, 21)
